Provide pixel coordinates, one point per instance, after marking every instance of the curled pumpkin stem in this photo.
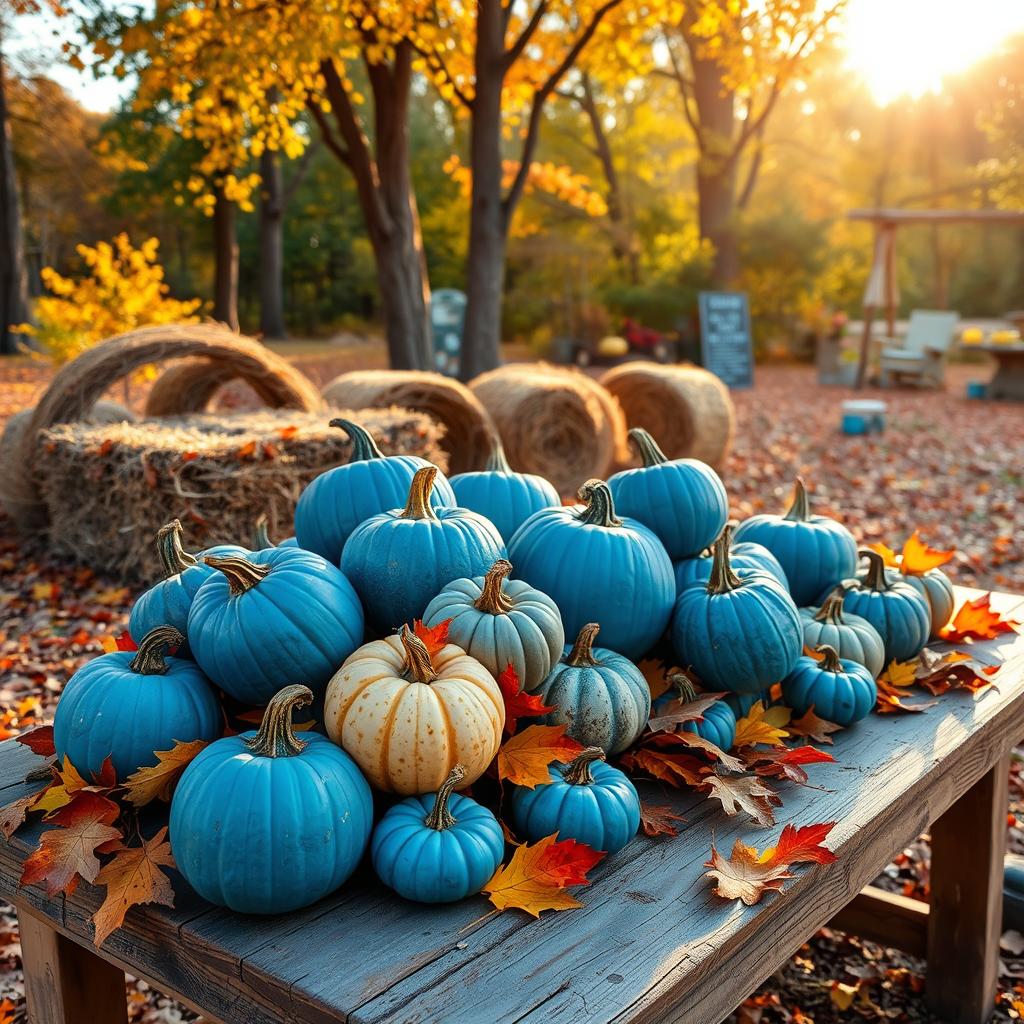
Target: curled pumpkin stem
(497, 462)
(831, 610)
(683, 686)
(600, 510)
(492, 598)
(417, 665)
(363, 445)
(276, 736)
(418, 504)
(577, 771)
(831, 662)
(261, 535)
(242, 574)
(799, 510)
(874, 578)
(173, 557)
(149, 659)
(582, 653)
(647, 448)
(722, 578)
(441, 816)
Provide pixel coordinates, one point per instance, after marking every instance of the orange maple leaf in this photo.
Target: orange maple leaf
(813, 727)
(518, 703)
(797, 845)
(888, 555)
(122, 642)
(742, 875)
(785, 763)
(434, 637)
(761, 725)
(659, 820)
(975, 620)
(524, 759)
(918, 558)
(157, 782)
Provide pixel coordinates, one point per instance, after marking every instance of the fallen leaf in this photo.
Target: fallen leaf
(785, 763)
(813, 727)
(247, 451)
(157, 782)
(894, 689)
(656, 672)
(842, 994)
(887, 553)
(797, 845)
(12, 817)
(114, 596)
(287, 433)
(975, 620)
(658, 820)
(938, 672)
(918, 558)
(524, 759)
(674, 769)
(433, 637)
(742, 876)
(122, 642)
(763, 726)
(691, 739)
(518, 703)
(39, 740)
(744, 793)
(677, 712)
(66, 782)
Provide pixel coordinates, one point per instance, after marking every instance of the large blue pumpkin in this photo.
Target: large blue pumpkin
(900, 613)
(129, 704)
(744, 558)
(502, 496)
(601, 697)
(815, 552)
(839, 690)
(598, 568)
(437, 848)
(717, 724)
(683, 500)
(852, 637)
(586, 800)
(501, 622)
(741, 635)
(266, 822)
(400, 560)
(336, 502)
(280, 616)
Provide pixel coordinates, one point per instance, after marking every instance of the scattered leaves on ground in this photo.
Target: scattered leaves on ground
(977, 620)
(762, 725)
(157, 782)
(524, 759)
(659, 820)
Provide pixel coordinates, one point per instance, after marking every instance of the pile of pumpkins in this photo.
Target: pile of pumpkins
(273, 819)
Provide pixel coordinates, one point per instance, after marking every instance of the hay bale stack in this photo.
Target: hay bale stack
(686, 409)
(554, 421)
(108, 489)
(468, 427)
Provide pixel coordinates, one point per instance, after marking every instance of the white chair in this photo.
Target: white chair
(920, 355)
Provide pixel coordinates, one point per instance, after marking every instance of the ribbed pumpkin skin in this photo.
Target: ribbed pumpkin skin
(431, 865)
(505, 499)
(745, 558)
(265, 835)
(289, 542)
(718, 724)
(937, 589)
(842, 697)
(900, 615)
(855, 639)
(604, 814)
(295, 626)
(106, 709)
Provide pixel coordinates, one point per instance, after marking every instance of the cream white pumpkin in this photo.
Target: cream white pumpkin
(408, 718)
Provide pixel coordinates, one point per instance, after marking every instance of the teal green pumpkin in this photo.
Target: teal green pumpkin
(501, 622)
(336, 502)
(744, 558)
(815, 552)
(502, 496)
(740, 635)
(400, 560)
(586, 800)
(839, 690)
(718, 722)
(852, 637)
(127, 705)
(937, 589)
(282, 615)
(596, 566)
(601, 697)
(683, 501)
(437, 848)
(266, 822)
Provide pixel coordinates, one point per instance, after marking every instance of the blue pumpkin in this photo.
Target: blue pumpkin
(683, 501)
(129, 704)
(601, 697)
(744, 558)
(400, 560)
(815, 552)
(280, 616)
(503, 497)
(852, 637)
(741, 703)
(501, 622)
(598, 567)
(586, 800)
(336, 502)
(266, 822)
(839, 690)
(717, 723)
(740, 635)
(900, 613)
(437, 848)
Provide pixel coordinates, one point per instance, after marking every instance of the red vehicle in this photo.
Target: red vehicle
(642, 343)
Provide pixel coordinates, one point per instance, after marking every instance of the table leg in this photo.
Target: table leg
(66, 983)
(964, 919)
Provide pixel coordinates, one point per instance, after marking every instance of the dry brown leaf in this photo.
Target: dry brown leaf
(659, 820)
(744, 793)
(742, 876)
(157, 782)
(813, 727)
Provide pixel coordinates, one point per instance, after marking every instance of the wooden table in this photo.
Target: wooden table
(652, 942)
(1008, 381)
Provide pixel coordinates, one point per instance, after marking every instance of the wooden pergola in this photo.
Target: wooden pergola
(882, 291)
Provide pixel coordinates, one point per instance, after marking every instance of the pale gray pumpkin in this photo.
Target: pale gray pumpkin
(937, 589)
(852, 637)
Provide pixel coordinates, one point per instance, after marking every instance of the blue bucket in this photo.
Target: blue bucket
(976, 389)
(863, 416)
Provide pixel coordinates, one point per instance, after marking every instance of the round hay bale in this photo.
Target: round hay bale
(554, 421)
(469, 429)
(686, 409)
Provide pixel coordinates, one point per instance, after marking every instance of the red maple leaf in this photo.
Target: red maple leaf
(39, 741)
(803, 844)
(518, 703)
(433, 637)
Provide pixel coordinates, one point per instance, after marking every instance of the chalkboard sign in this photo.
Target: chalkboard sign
(447, 313)
(725, 344)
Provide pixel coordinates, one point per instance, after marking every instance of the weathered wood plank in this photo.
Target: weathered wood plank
(887, 918)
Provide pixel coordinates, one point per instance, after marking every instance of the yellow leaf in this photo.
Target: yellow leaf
(887, 553)
(525, 757)
(761, 726)
(918, 558)
(157, 782)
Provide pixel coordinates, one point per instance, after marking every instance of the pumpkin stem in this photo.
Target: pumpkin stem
(577, 771)
(647, 448)
(260, 534)
(417, 658)
(418, 504)
(149, 660)
(364, 447)
(831, 610)
(874, 578)
(831, 662)
(173, 557)
(722, 578)
(440, 817)
(683, 686)
(242, 574)
(582, 654)
(799, 511)
(600, 510)
(276, 737)
(492, 599)
(497, 461)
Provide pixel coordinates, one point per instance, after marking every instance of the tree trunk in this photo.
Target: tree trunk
(13, 278)
(271, 246)
(225, 256)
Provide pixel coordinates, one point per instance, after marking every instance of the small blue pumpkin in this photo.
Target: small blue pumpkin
(683, 501)
(266, 822)
(129, 704)
(336, 502)
(601, 697)
(718, 722)
(501, 622)
(937, 589)
(744, 558)
(586, 800)
(437, 848)
(741, 703)
(839, 690)
(279, 616)
(598, 567)
(815, 552)
(740, 635)
(400, 560)
(502, 496)
(852, 637)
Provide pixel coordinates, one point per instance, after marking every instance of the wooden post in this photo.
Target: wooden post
(865, 347)
(964, 921)
(889, 277)
(65, 983)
